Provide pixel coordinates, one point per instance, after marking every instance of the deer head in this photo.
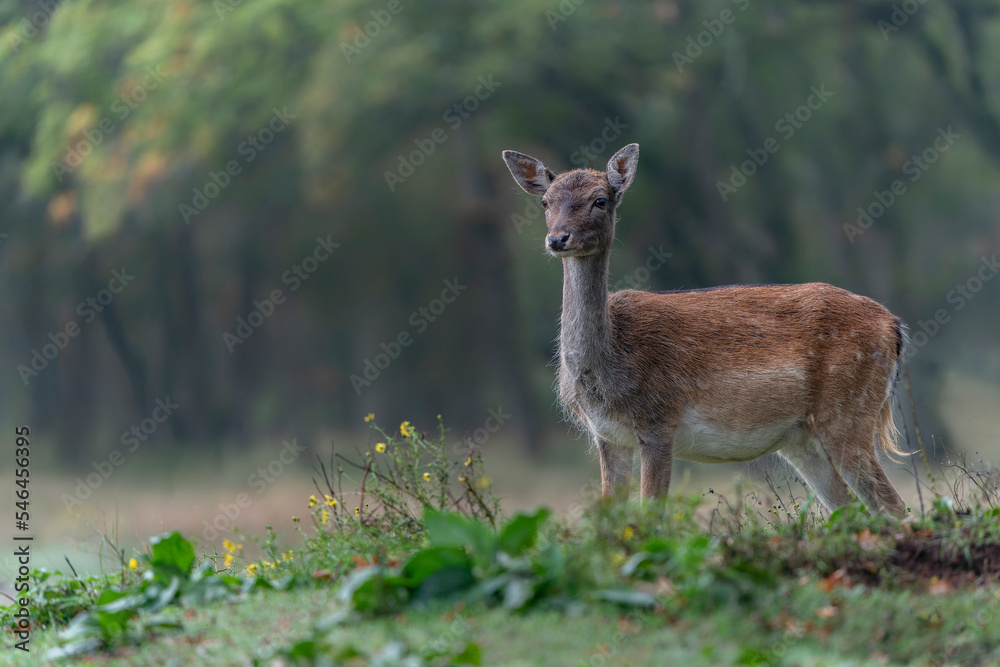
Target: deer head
(579, 205)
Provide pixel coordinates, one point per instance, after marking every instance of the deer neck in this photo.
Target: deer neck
(584, 334)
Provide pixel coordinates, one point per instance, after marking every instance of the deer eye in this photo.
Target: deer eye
(600, 202)
(545, 204)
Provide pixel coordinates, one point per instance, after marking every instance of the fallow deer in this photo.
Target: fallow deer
(719, 374)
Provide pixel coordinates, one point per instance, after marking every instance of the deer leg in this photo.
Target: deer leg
(866, 478)
(616, 466)
(814, 466)
(656, 457)
(858, 465)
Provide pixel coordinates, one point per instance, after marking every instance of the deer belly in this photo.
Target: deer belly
(698, 439)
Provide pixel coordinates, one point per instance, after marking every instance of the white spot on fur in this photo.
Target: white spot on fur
(858, 355)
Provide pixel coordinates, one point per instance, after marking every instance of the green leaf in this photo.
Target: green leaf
(470, 655)
(438, 572)
(172, 555)
(517, 593)
(446, 529)
(521, 533)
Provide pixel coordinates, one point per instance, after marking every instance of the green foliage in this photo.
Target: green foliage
(373, 512)
(128, 613)
(466, 560)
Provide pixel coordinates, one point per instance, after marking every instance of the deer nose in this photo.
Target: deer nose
(558, 242)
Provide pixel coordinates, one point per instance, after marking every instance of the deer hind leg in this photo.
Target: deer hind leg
(616, 466)
(656, 458)
(814, 466)
(859, 466)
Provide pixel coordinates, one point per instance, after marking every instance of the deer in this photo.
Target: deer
(719, 374)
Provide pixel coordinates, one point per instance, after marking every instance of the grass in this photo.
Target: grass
(405, 559)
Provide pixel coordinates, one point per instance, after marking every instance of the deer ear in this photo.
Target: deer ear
(529, 173)
(621, 168)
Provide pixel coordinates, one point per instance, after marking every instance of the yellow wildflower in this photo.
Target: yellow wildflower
(427, 477)
(132, 563)
(463, 480)
(628, 533)
(324, 517)
(368, 453)
(468, 461)
(406, 429)
(380, 447)
(230, 547)
(370, 417)
(227, 562)
(288, 556)
(330, 500)
(357, 511)
(618, 559)
(295, 519)
(312, 501)
(252, 569)
(485, 481)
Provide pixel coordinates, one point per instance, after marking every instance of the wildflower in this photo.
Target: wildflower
(370, 417)
(427, 477)
(230, 547)
(368, 454)
(227, 562)
(485, 481)
(618, 559)
(312, 501)
(628, 533)
(288, 556)
(330, 500)
(324, 517)
(132, 563)
(295, 519)
(380, 447)
(463, 480)
(406, 429)
(252, 569)
(357, 511)
(468, 461)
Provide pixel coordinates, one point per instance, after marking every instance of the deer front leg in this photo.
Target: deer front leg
(616, 466)
(656, 456)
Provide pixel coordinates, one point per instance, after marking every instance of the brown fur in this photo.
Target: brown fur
(723, 374)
